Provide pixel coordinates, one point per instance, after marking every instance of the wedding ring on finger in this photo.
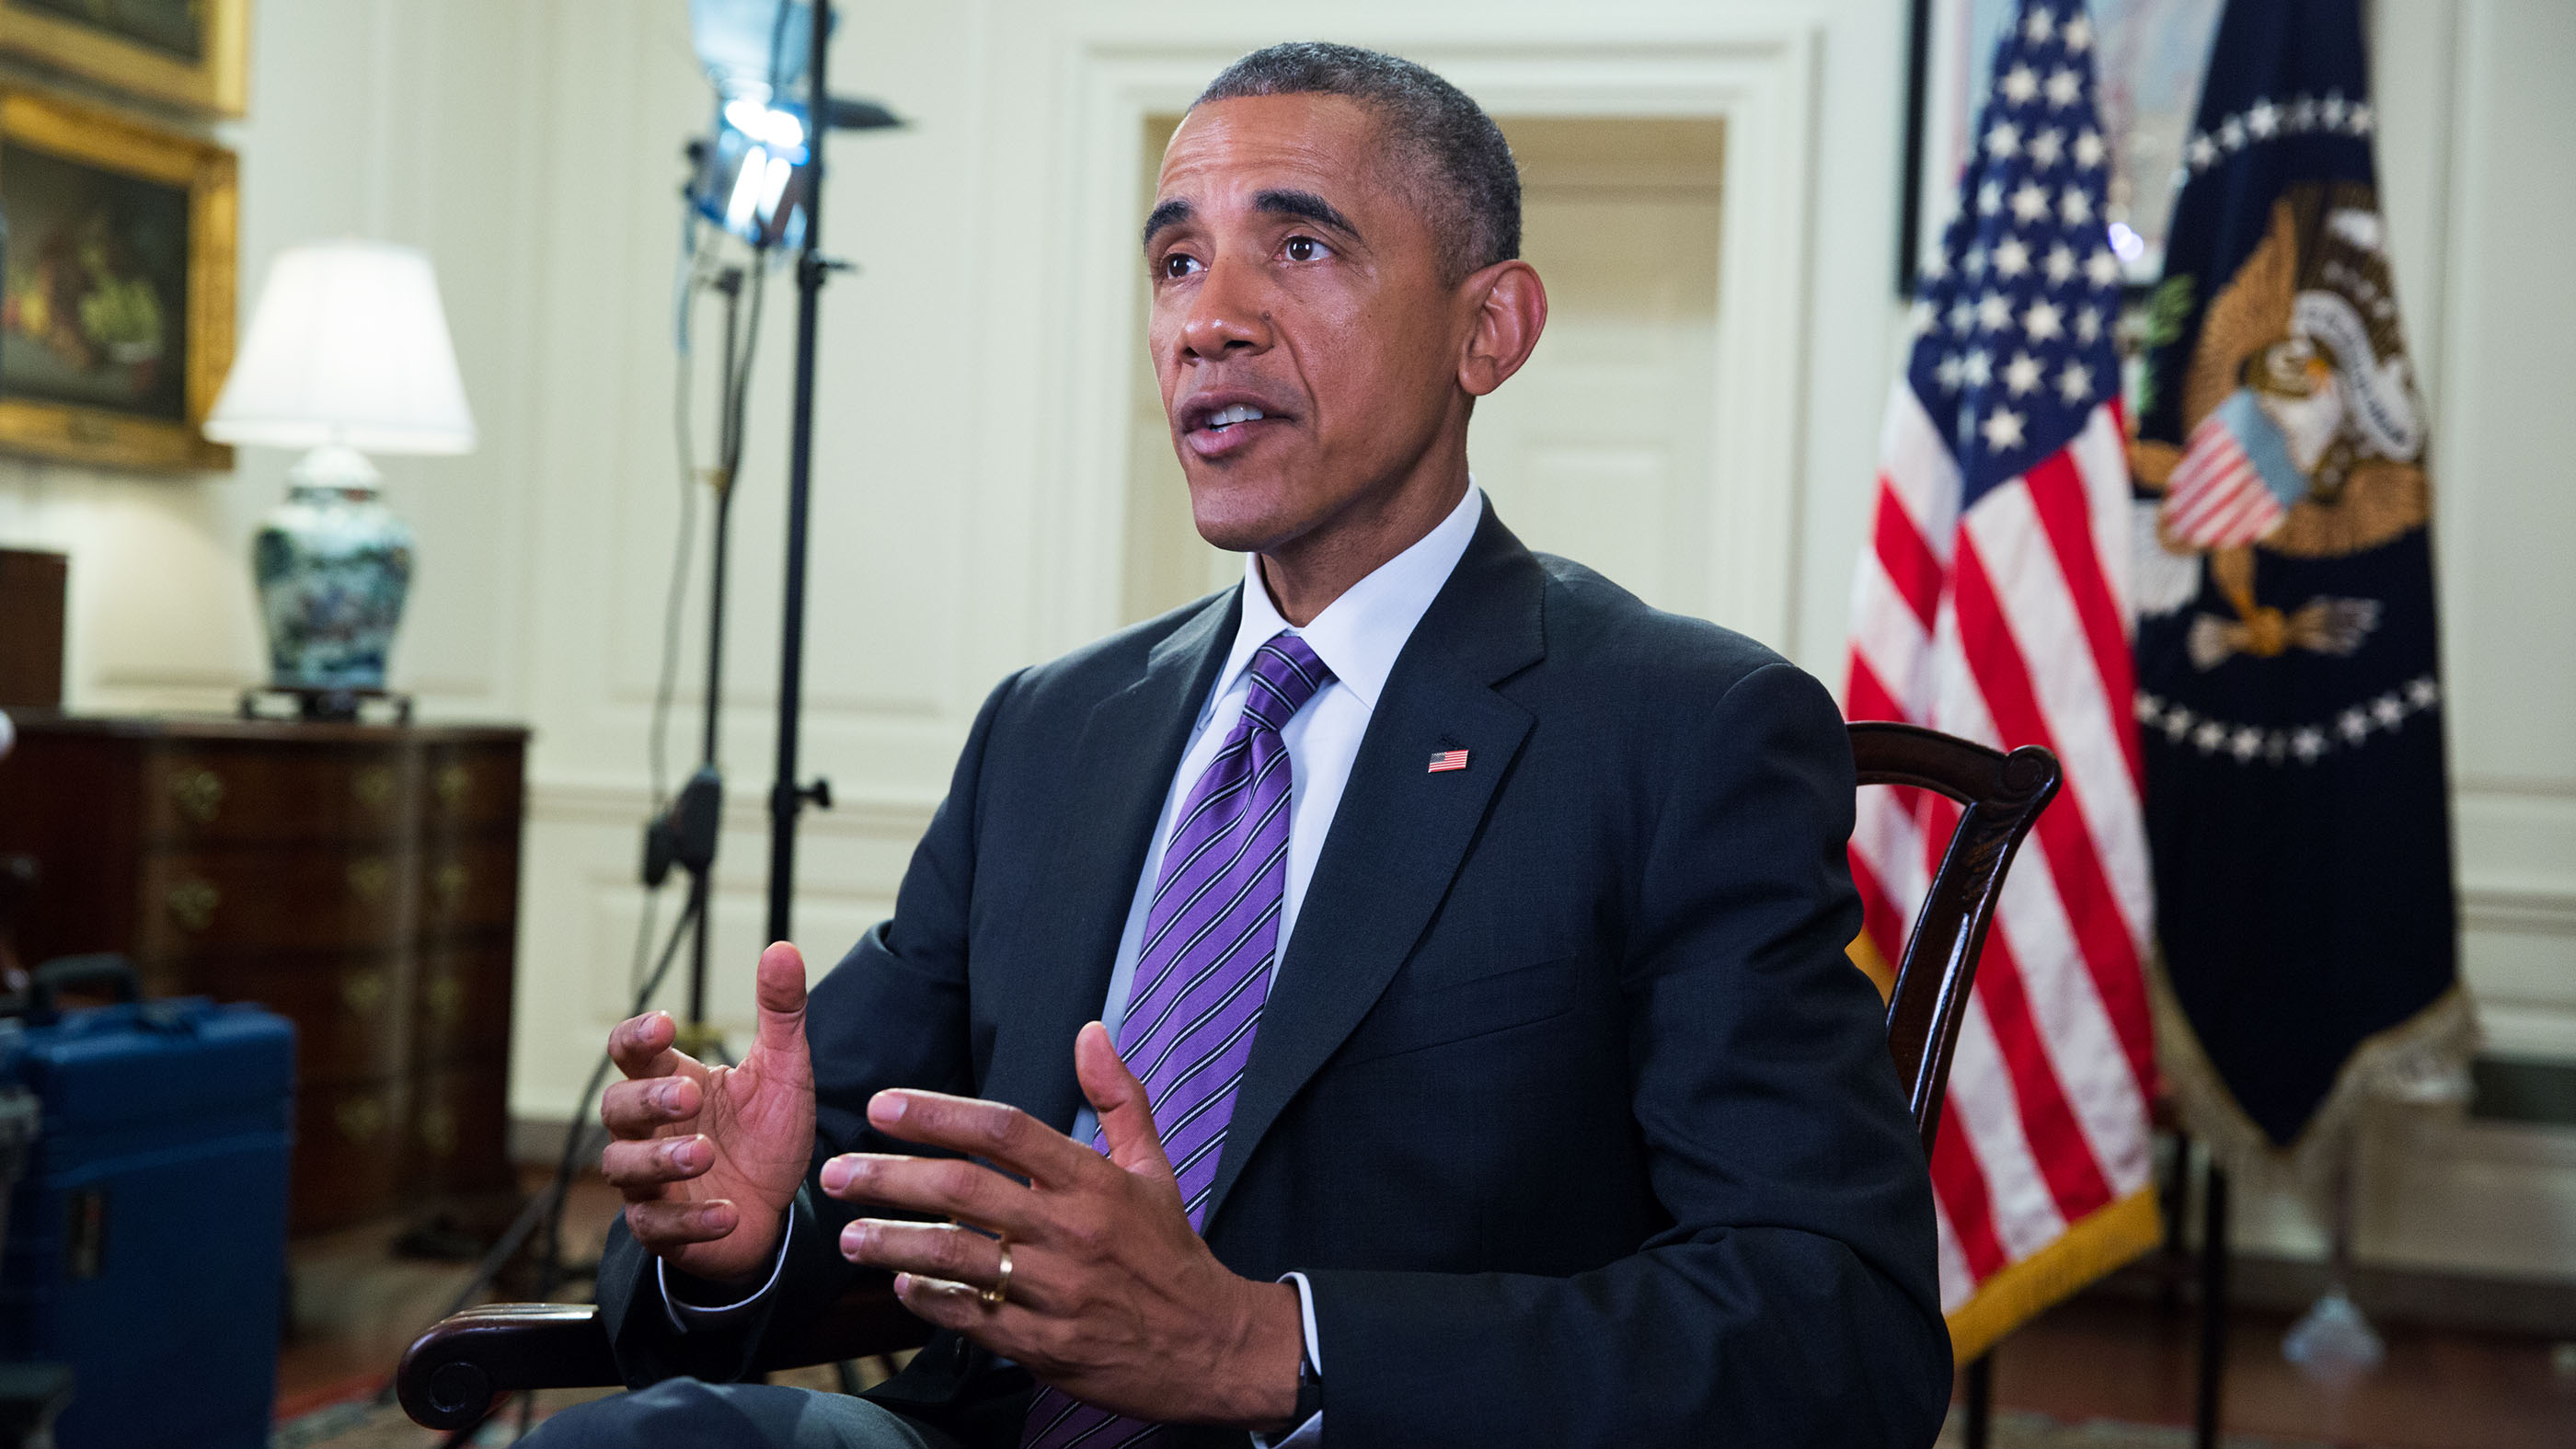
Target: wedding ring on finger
(1000, 1292)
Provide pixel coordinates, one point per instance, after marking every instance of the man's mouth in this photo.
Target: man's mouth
(1217, 427)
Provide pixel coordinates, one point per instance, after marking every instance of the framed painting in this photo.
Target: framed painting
(2149, 56)
(192, 53)
(116, 286)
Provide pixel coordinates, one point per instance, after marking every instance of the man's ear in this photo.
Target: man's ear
(1511, 310)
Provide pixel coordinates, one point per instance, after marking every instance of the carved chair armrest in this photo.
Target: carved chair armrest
(453, 1375)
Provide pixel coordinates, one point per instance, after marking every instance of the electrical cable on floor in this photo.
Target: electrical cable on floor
(578, 1133)
(547, 1206)
(676, 593)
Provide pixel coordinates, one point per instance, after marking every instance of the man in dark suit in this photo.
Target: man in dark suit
(1399, 998)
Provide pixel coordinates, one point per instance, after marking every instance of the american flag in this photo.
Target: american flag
(1993, 602)
(1448, 760)
(2216, 497)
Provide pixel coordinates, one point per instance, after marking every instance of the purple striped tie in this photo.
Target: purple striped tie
(1204, 969)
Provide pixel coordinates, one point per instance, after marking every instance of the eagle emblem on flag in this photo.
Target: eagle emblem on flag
(2304, 436)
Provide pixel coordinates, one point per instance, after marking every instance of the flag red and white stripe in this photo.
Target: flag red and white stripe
(2009, 624)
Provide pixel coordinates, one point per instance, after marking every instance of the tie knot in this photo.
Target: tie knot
(1285, 674)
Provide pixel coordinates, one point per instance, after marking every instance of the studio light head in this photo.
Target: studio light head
(748, 175)
(753, 46)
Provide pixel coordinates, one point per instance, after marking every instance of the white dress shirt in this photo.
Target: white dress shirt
(1358, 636)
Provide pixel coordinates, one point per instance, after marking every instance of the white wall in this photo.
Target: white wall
(972, 489)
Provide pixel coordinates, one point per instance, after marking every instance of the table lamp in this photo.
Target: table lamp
(347, 354)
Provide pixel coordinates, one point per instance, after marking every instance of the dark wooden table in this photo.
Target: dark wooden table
(362, 880)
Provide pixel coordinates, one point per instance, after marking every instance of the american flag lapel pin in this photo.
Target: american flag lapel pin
(1448, 760)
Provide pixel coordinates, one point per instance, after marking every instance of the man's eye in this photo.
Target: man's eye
(1176, 265)
(1304, 249)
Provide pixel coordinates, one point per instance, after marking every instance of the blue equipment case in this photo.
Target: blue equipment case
(147, 1241)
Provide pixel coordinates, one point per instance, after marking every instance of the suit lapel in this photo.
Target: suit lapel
(1400, 832)
(1127, 753)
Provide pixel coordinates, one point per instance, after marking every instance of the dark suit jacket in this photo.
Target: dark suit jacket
(1565, 1099)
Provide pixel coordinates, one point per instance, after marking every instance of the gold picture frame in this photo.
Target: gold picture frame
(192, 53)
(116, 286)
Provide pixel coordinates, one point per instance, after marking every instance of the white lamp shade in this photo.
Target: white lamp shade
(349, 347)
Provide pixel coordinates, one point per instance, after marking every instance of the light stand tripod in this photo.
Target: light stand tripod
(788, 798)
(684, 834)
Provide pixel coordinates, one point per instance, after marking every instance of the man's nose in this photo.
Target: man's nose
(1228, 315)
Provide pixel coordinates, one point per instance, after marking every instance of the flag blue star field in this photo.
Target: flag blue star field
(2012, 320)
(1993, 602)
(2288, 688)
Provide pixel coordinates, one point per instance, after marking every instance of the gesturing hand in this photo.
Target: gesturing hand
(710, 1157)
(1112, 1296)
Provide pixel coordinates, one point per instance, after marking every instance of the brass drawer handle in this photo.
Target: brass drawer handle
(193, 903)
(446, 1001)
(437, 1128)
(450, 883)
(360, 1119)
(369, 878)
(199, 794)
(453, 784)
(374, 786)
(363, 991)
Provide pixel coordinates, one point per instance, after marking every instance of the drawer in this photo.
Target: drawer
(349, 1156)
(460, 1129)
(470, 884)
(212, 792)
(462, 1007)
(470, 785)
(204, 901)
(351, 1015)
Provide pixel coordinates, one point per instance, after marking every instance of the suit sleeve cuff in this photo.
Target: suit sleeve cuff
(1308, 1435)
(686, 1317)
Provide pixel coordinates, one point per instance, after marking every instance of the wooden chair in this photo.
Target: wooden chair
(2003, 795)
(457, 1371)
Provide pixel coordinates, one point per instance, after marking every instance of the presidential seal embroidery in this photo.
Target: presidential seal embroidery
(2304, 436)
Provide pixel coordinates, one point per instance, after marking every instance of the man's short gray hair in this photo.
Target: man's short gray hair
(1430, 126)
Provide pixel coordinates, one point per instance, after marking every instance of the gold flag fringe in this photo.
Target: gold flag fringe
(2111, 1237)
(2442, 1035)
(1864, 954)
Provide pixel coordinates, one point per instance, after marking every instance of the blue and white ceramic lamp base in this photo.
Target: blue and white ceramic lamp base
(334, 567)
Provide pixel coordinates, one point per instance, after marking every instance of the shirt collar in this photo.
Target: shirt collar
(1359, 634)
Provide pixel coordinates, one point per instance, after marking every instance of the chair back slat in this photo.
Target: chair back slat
(2001, 795)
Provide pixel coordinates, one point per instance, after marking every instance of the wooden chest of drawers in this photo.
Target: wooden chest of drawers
(361, 880)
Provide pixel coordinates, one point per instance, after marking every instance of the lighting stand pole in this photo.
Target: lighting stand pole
(685, 833)
(702, 1037)
(787, 797)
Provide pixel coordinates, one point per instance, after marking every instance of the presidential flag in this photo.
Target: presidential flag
(2288, 686)
(1993, 602)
